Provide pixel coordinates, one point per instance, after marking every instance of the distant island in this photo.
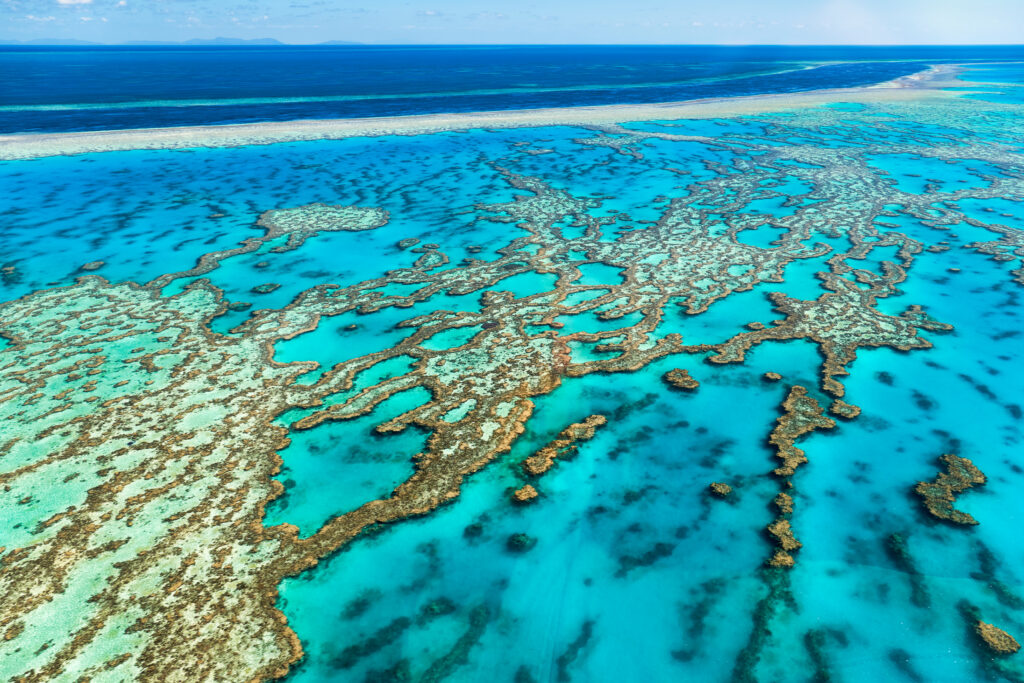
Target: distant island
(191, 41)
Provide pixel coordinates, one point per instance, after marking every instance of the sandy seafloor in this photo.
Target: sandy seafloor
(636, 574)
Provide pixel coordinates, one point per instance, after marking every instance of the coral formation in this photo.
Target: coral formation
(996, 639)
(801, 414)
(781, 559)
(898, 550)
(784, 502)
(939, 496)
(265, 288)
(525, 494)
(563, 445)
(841, 408)
(520, 543)
(9, 274)
(781, 531)
(719, 489)
(681, 379)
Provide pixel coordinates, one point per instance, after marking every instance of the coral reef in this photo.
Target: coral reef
(525, 494)
(719, 489)
(939, 496)
(801, 415)
(841, 408)
(563, 445)
(996, 639)
(780, 559)
(658, 551)
(680, 379)
(781, 531)
(572, 652)
(520, 543)
(445, 665)
(9, 274)
(784, 502)
(296, 224)
(144, 446)
(265, 288)
(898, 550)
(852, 322)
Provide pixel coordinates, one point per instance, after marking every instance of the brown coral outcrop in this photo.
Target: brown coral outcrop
(719, 489)
(802, 415)
(525, 494)
(996, 639)
(839, 321)
(845, 410)
(781, 559)
(782, 532)
(681, 379)
(784, 503)
(563, 445)
(939, 496)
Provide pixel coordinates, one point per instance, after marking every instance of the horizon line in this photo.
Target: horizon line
(259, 42)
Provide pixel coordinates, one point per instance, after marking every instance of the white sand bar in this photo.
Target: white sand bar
(922, 85)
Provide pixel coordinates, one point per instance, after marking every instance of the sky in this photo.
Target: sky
(523, 21)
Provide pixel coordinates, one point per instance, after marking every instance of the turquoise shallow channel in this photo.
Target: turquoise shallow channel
(732, 399)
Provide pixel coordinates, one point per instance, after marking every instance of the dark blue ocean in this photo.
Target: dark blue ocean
(95, 88)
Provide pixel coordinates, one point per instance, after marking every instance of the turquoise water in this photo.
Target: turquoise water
(637, 575)
(631, 570)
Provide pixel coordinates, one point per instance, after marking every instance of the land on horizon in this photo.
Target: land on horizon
(227, 41)
(70, 42)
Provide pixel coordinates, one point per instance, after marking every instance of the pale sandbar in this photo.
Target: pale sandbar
(925, 84)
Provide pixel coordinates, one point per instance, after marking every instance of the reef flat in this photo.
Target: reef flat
(446, 406)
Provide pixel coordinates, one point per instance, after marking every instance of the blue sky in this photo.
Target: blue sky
(523, 21)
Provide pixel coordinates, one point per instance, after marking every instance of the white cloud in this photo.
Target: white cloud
(73, 2)
(32, 17)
